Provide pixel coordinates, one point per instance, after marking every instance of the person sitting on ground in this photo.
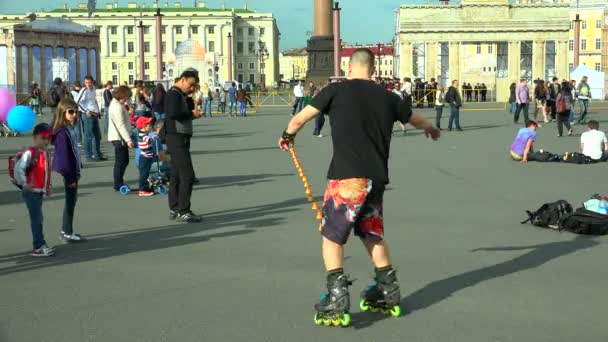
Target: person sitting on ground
(522, 147)
(594, 143)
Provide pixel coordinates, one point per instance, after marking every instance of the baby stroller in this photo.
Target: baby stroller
(158, 179)
(6, 131)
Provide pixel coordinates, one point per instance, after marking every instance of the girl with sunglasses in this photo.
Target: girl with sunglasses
(67, 162)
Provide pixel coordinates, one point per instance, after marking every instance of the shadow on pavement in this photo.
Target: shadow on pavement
(440, 290)
(14, 197)
(251, 149)
(108, 245)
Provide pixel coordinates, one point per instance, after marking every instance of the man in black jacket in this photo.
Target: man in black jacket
(453, 98)
(178, 127)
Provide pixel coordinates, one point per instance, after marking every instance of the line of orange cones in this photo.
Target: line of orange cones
(311, 199)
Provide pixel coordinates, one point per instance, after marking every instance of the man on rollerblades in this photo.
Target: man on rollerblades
(362, 115)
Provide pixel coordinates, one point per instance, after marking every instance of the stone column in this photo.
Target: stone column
(98, 64)
(10, 52)
(89, 64)
(561, 59)
(431, 56)
(538, 59)
(406, 65)
(30, 66)
(323, 18)
(77, 56)
(320, 46)
(514, 61)
(42, 78)
(454, 61)
(19, 66)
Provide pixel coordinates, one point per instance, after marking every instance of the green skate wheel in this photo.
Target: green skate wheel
(363, 305)
(327, 322)
(318, 321)
(374, 309)
(336, 322)
(345, 320)
(395, 311)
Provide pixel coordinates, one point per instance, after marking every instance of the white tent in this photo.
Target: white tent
(595, 80)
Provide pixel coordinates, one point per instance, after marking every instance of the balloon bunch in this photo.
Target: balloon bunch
(19, 118)
(311, 199)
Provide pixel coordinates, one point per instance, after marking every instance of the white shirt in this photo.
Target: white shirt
(87, 100)
(407, 88)
(298, 91)
(593, 143)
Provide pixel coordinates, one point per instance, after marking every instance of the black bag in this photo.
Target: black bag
(52, 97)
(549, 214)
(585, 222)
(543, 157)
(577, 158)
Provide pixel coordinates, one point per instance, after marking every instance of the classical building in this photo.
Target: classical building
(384, 58)
(484, 41)
(294, 64)
(43, 49)
(593, 44)
(243, 44)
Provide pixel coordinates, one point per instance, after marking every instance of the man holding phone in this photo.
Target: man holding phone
(90, 113)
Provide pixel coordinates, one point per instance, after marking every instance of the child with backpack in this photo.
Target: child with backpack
(67, 163)
(563, 106)
(32, 174)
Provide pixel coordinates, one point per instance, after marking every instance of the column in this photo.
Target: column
(77, 49)
(89, 63)
(322, 18)
(407, 58)
(561, 59)
(171, 43)
(514, 61)
(98, 64)
(454, 59)
(538, 59)
(204, 37)
(108, 44)
(10, 52)
(42, 76)
(30, 66)
(19, 66)
(431, 56)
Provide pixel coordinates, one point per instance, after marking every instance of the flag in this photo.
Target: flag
(91, 7)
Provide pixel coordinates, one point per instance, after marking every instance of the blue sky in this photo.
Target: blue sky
(363, 21)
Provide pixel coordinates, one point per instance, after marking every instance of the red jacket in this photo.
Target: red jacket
(34, 170)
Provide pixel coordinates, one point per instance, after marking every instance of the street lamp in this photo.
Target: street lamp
(262, 54)
(380, 50)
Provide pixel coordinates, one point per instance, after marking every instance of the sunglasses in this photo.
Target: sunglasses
(71, 111)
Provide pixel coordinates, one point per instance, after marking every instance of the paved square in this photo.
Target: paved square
(252, 270)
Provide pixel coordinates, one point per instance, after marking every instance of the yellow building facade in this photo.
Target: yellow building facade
(255, 38)
(294, 64)
(593, 44)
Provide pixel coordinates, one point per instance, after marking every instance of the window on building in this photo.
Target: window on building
(147, 65)
(584, 24)
(177, 42)
(572, 24)
(211, 29)
(114, 66)
(130, 65)
(146, 46)
(598, 67)
(239, 32)
(583, 44)
(146, 77)
(598, 24)
(251, 66)
(550, 51)
(250, 31)
(239, 78)
(178, 30)
(262, 31)
(251, 47)
(163, 29)
(129, 29)
(391, 62)
(163, 46)
(478, 48)
(484, 69)
(146, 29)
(252, 78)
(113, 30)
(570, 66)
(571, 45)
(194, 29)
(239, 47)
(115, 79)
(130, 47)
(131, 79)
(240, 66)
(211, 47)
(490, 48)
(526, 60)
(598, 43)
(114, 47)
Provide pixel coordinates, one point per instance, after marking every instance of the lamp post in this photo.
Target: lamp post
(262, 54)
(380, 50)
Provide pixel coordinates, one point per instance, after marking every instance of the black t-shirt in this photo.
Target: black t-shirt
(362, 115)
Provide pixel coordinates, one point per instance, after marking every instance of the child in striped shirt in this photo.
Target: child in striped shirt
(146, 154)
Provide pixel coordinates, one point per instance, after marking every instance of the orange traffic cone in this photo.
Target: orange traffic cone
(315, 206)
(319, 215)
(320, 227)
(308, 192)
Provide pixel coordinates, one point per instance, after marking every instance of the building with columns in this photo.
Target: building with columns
(484, 41)
(252, 50)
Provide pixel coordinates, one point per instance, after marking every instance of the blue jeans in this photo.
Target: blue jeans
(159, 116)
(232, 107)
(243, 108)
(144, 172)
(319, 122)
(454, 116)
(512, 107)
(219, 106)
(33, 201)
(297, 107)
(92, 137)
(207, 106)
(584, 103)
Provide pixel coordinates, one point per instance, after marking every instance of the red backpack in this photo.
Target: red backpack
(12, 160)
(561, 105)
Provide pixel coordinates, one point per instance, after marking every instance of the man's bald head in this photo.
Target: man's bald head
(363, 59)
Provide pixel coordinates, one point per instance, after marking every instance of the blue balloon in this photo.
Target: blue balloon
(21, 119)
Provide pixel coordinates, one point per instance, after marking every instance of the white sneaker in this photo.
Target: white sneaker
(320, 136)
(69, 238)
(43, 251)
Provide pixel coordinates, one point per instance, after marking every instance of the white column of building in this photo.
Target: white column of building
(170, 32)
(108, 44)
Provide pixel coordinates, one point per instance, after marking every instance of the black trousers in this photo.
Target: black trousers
(553, 106)
(71, 196)
(439, 113)
(562, 120)
(520, 107)
(182, 173)
(121, 161)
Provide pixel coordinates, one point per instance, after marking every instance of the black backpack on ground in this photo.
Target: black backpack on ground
(577, 158)
(549, 214)
(585, 222)
(543, 157)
